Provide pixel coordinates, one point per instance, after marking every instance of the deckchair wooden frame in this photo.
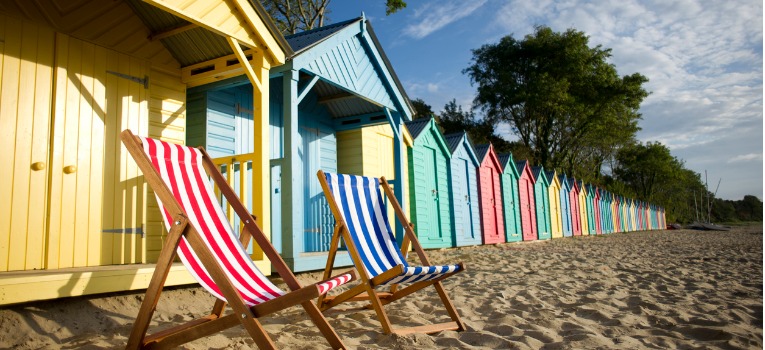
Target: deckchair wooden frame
(379, 299)
(216, 321)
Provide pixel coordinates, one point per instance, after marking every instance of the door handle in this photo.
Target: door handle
(37, 166)
(70, 169)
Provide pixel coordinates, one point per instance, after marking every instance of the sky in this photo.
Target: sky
(703, 60)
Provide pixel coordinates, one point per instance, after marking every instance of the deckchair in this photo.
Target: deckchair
(362, 223)
(199, 233)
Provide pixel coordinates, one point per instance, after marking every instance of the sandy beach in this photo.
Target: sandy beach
(657, 290)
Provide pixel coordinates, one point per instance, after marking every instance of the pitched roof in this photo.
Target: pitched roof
(308, 38)
(504, 158)
(481, 150)
(550, 175)
(454, 140)
(536, 171)
(417, 126)
(519, 165)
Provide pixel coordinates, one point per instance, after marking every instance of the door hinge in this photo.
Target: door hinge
(143, 81)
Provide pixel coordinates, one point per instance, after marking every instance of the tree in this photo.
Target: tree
(645, 168)
(421, 109)
(294, 16)
(562, 98)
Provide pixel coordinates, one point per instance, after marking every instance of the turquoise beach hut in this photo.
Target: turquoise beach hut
(565, 206)
(595, 228)
(429, 185)
(464, 189)
(542, 200)
(510, 198)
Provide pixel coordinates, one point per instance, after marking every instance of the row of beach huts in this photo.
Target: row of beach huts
(77, 218)
(465, 195)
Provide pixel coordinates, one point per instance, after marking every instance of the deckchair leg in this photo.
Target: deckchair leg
(449, 306)
(378, 307)
(153, 291)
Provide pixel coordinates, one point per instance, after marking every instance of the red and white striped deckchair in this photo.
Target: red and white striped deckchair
(200, 234)
(362, 222)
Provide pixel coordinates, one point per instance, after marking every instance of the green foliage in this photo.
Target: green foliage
(421, 109)
(562, 98)
(392, 6)
(294, 16)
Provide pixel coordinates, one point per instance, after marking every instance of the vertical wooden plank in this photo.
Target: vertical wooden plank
(110, 238)
(56, 161)
(69, 154)
(97, 151)
(9, 85)
(82, 149)
(40, 143)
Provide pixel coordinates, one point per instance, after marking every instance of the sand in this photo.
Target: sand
(661, 290)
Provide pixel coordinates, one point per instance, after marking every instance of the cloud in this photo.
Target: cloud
(746, 158)
(435, 15)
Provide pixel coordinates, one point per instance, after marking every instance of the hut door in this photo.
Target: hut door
(96, 197)
(26, 76)
(526, 193)
(319, 152)
(497, 203)
(429, 229)
(462, 199)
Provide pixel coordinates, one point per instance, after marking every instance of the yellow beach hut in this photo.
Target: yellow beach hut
(75, 215)
(556, 222)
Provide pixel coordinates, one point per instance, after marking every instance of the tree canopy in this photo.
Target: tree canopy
(561, 97)
(294, 16)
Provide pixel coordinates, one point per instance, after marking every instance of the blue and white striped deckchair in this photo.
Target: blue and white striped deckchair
(362, 221)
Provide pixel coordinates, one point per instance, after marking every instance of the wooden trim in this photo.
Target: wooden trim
(173, 31)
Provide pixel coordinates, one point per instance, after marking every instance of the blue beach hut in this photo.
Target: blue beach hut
(338, 79)
(466, 219)
(565, 206)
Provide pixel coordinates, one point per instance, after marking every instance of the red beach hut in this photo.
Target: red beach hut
(490, 195)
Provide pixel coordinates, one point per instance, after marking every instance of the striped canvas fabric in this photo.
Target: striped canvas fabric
(181, 169)
(364, 212)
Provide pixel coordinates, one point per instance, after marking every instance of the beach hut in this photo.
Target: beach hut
(526, 200)
(371, 151)
(615, 213)
(77, 217)
(338, 80)
(510, 199)
(596, 207)
(606, 211)
(542, 200)
(464, 189)
(556, 217)
(576, 214)
(625, 214)
(663, 219)
(429, 184)
(585, 208)
(565, 206)
(632, 214)
(490, 195)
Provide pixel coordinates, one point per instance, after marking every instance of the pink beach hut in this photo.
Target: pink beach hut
(490, 195)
